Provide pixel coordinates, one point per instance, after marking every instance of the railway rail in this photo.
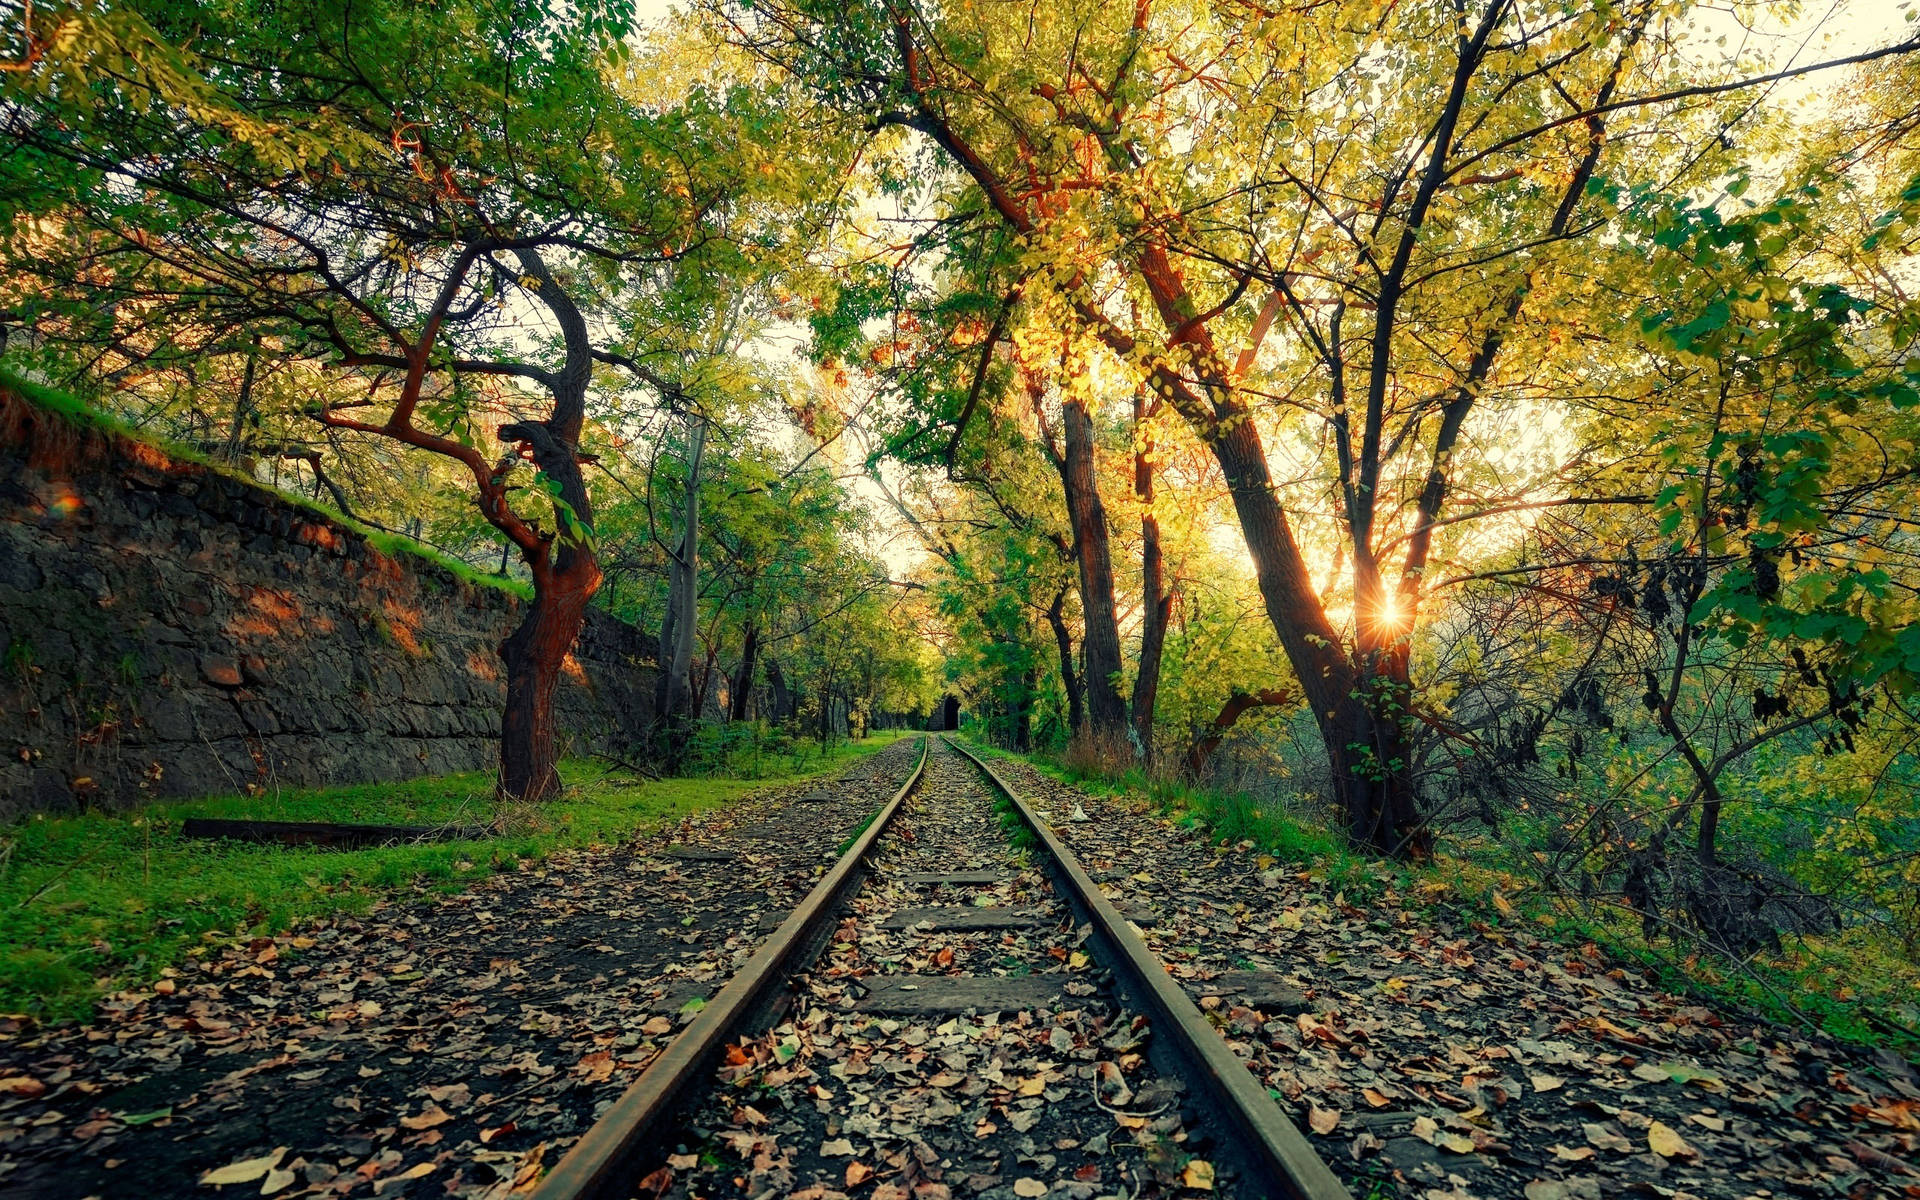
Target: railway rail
(1048, 960)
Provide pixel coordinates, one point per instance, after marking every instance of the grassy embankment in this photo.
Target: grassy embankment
(99, 901)
(1855, 985)
(87, 419)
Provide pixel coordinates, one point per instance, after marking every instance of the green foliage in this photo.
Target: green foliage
(1811, 391)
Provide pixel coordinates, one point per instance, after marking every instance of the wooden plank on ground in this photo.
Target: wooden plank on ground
(326, 833)
(914, 995)
(965, 916)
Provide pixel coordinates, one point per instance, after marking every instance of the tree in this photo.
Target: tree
(391, 192)
(1236, 173)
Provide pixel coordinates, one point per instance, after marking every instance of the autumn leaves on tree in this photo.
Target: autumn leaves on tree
(1351, 226)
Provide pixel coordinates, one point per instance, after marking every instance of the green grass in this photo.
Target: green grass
(859, 829)
(97, 902)
(1852, 985)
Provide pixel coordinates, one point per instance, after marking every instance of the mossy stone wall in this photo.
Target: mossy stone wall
(170, 630)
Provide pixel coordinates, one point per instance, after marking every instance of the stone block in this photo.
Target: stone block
(220, 670)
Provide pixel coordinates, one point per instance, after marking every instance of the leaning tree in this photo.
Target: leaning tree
(446, 207)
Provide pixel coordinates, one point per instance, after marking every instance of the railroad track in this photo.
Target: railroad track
(978, 1018)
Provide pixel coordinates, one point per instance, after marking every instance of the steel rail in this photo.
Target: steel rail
(593, 1166)
(1272, 1145)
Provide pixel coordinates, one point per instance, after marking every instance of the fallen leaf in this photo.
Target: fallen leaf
(245, 1171)
(1606, 1139)
(1546, 1083)
(1577, 1154)
(1715, 1124)
(836, 1146)
(1665, 1141)
(432, 1115)
(1198, 1175)
(858, 1173)
(655, 1026)
(22, 1085)
(1376, 1098)
(278, 1179)
(1024, 1186)
(417, 1171)
(1458, 1143)
(1323, 1121)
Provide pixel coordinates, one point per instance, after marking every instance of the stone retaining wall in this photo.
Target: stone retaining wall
(169, 630)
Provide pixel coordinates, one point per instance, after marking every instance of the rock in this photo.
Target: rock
(220, 671)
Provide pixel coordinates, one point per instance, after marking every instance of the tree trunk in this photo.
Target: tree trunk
(675, 690)
(563, 584)
(535, 654)
(1230, 712)
(743, 679)
(1362, 716)
(1069, 677)
(782, 699)
(237, 435)
(1020, 708)
(1106, 711)
(1156, 599)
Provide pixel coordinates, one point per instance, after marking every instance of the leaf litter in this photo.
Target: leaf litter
(1057, 1101)
(441, 1046)
(1437, 1055)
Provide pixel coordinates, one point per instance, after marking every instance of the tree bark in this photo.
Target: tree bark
(1361, 721)
(566, 572)
(675, 690)
(1069, 677)
(237, 435)
(1020, 709)
(743, 679)
(1230, 713)
(1106, 711)
(535, 654)
(784, 706)
(1156, 599)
